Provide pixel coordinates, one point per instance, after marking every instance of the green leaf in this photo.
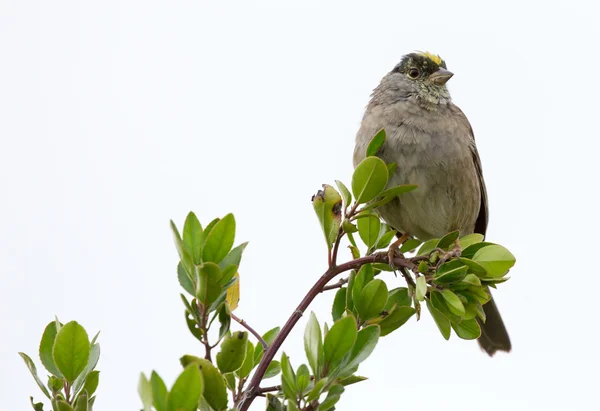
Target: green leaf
(346, 196)
(159, 392)
(328, 207)
(91, 382)
(428, 246)
(38, 406)
(184, 279)
(184, 253)
(366, 340)
(209, 287)
(302, 379)
(385, 239)
(224, 321)
(391, 169)
(399, 297)
(31, 366)
(220, 240)
(353, 379)
(268, 337)
(349, 299)
(273, 369)
(410, 245)
(470, 239)
(364, 276)
(474, 267)
(396, 319)
(469, 252)
(145, 392)
(186, 391)
(440, 319)
(451, 272)
(288, 378)
(233, 351)
(315, 393)
(215, 392)
(368, 229)
(448, 240)
(333, 396)
(82, 402)
(339, 304)
(234, 257)
(454, 304)
(230, 381)
(340, 339)
(467, 329)
(376, 143)
(421, 289)
(472, 279)
(496, 260)
(91, 364)
(46, 345)
(55, 384)
(63, 406)
(369, 179)
(273, 403)
(372, 300)
(193, 236)
(248, 363)
(313, 344)
(71, 350)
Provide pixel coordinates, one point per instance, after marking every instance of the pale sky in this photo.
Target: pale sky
(117, 116)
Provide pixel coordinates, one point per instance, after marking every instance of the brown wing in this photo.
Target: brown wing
(482, 219)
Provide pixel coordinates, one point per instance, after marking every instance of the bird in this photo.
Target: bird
(432, 143)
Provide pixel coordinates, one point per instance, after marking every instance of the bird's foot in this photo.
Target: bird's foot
(455, 252)
(394, 250)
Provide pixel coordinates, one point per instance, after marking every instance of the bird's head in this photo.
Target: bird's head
(424, 75)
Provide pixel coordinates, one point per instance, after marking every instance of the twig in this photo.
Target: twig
(262, 390)
(339, 284)
(332, 272)
(252, 331)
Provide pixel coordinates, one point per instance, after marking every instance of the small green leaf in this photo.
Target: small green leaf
(31, 366)
(366, 340)
(234, 257)
(186, 391)
(467, 329)
(472, 279)
(220, 240)
(209, 287)
(71, 350)
(91, 382)
(474, 267)
(428, 246)
(349, 300)
(451, 272)
(410, 245)
(440, 319)
(372, 300)
(496, 260)
(38, 406)
(315, 393)
(376, 143)
(353, 379)
(288, 378)
(268, 337)
(233, 352)
(385, 240)
(421, 289)
(145, 392)
(340, 339)
(274, 404)
(333, 396)
(346, 196)
(302, 379)
(248, 363)
(369, 179)
(55, 384)
(159, 392)
(63, 406)
(184, 279)
(469, 252)
(339, 304)
(313, 344)
(364, 277)
(184, 253)
(46, 345)
(328, 207)
(82, 402)
(391, 169)
(398, 296)
(396, 319)
(447, 241)
(215, 392)
(470, 239)
(273, 369)
(368, 229)
(192, 236)
(454, 304)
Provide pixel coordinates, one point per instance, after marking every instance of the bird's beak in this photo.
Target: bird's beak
(440, 77)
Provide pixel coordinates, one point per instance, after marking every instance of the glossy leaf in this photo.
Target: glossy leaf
(353, 379)
(467, 329)
(145, 392)
(440, 319)
(474, 267)
(421, 288)
(340, 339)
(184, 280)
(91, 382)
(339, 304)
(82, 402)
(327, 204)
(233, 352)
(364, 276)
(451, 272)
(447, 241)
(313, 344)
(398, 296)
(376, 143)
(159, 392)
(366, 340)
(372, 300)
(470, 239)
(209, 287)
(496, 260)
(215, 392)
(186, 390)
(192, 236)
(385, 239)
(302, 378)
(410, 245)
(454, 304)
(391, 169)
(71, 350)
(428, 246)
(234, 257)
(46, 345)
(469, 252)
(273, 369)
(368, 229)
(32, 369)
(333, 396)
(369, 179)
(345, 193)
(288, 378)
(184, 253)
(248, 363)
(268, 337)
(396, 319)
(220, 240)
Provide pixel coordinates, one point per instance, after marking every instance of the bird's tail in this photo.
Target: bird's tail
(494, 336)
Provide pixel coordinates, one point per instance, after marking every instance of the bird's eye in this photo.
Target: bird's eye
(413, 73)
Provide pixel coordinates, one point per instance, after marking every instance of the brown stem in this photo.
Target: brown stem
(331, 273)
(252, 331)
(262, 390)
(203, 327)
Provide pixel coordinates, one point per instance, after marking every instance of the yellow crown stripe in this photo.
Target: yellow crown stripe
(433, 57)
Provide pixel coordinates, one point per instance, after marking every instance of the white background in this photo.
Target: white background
(116, 116)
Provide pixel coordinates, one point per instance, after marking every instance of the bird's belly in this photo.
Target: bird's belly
(447, 197)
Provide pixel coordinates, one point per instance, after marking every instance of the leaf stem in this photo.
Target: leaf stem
(252, 330)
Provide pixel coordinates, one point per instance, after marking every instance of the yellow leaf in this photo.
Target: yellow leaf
(233, 293)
